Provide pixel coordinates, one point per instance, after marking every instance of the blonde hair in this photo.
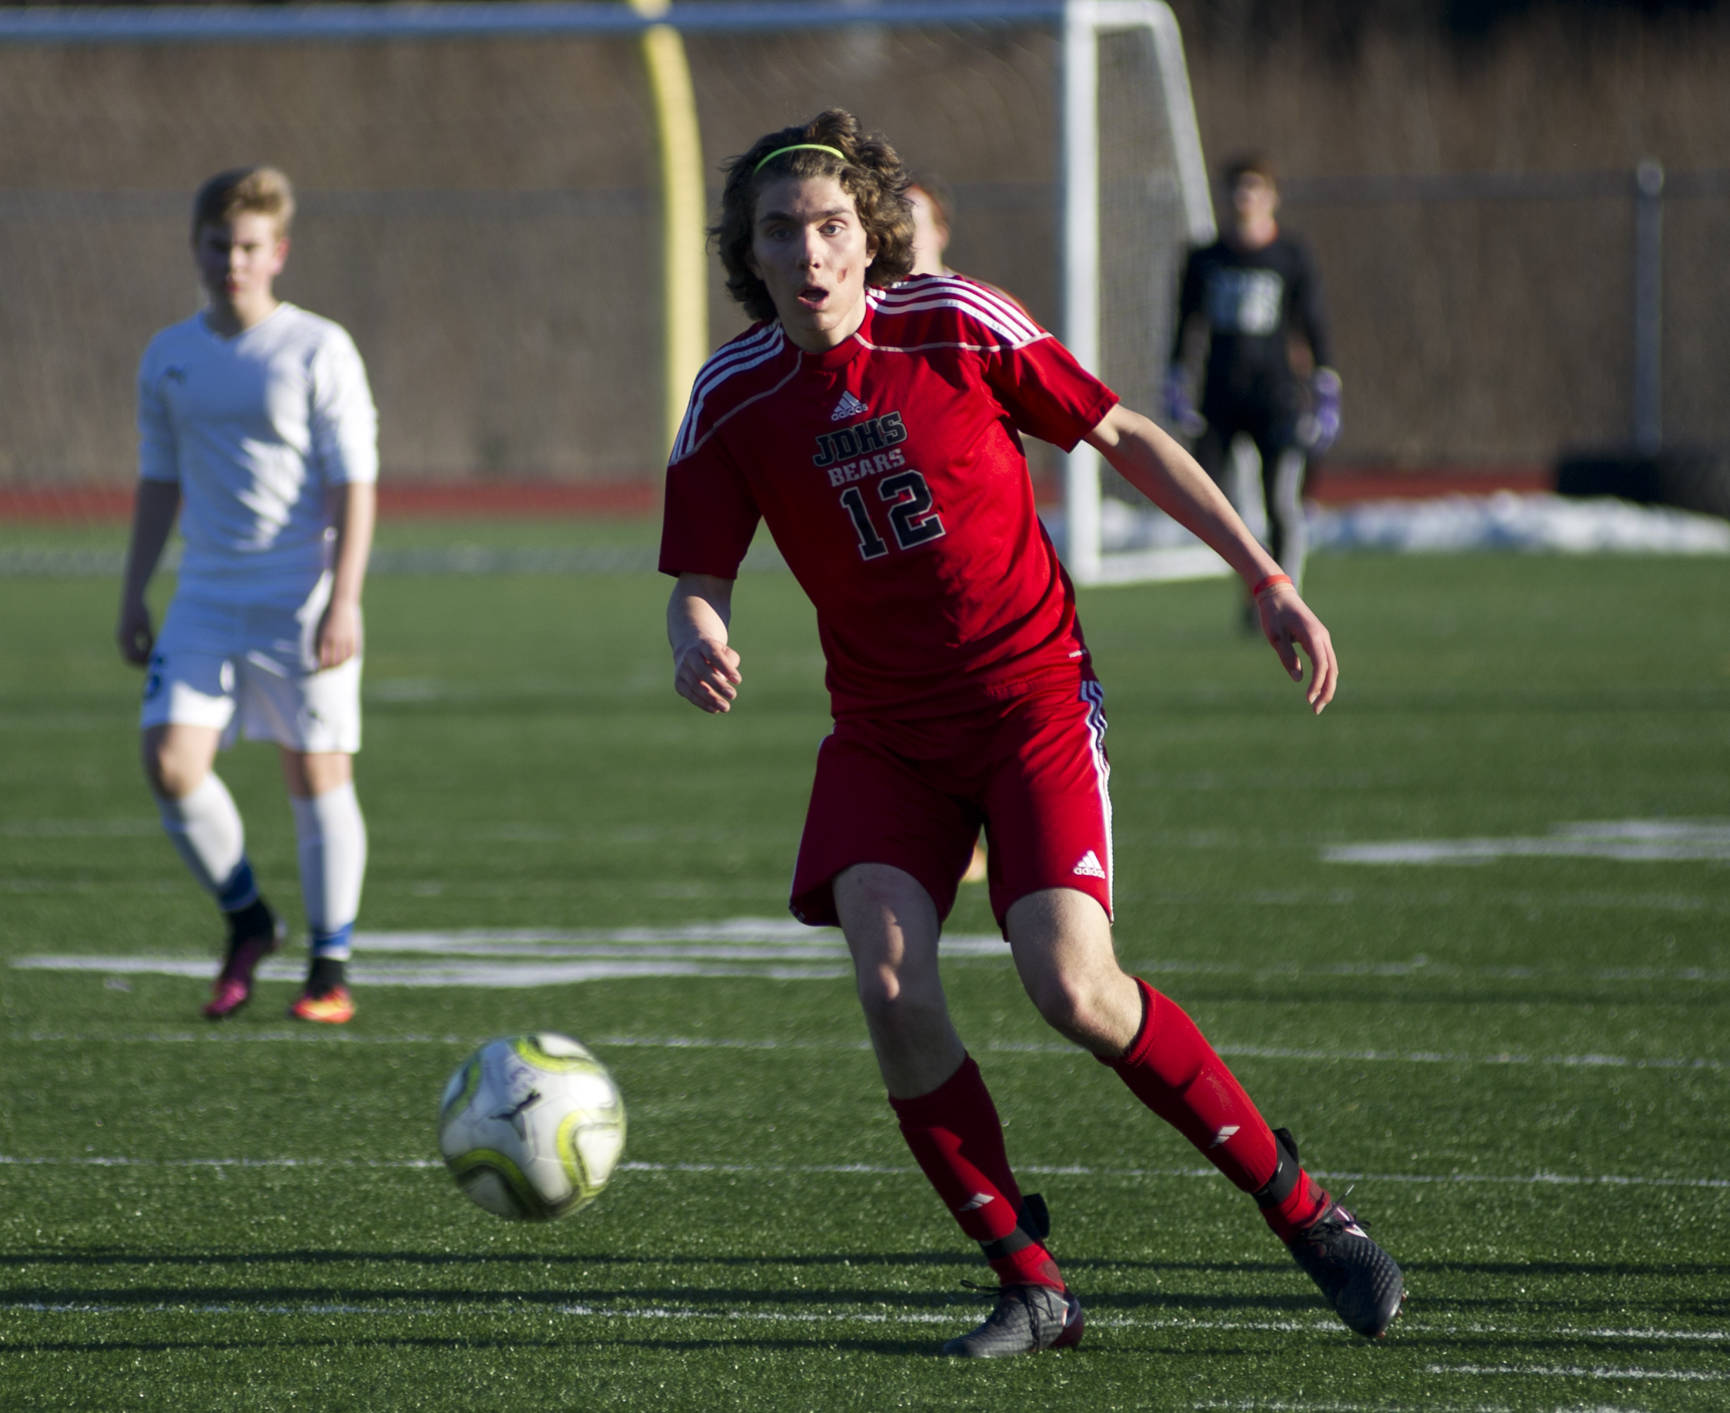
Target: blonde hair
(831, 145)
(265, 191)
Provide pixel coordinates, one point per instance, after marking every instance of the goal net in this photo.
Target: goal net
(493, 198)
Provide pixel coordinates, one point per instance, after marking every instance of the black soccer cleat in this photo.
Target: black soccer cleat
(1358, 1278)
(1361, 1281)
(1027, 1318)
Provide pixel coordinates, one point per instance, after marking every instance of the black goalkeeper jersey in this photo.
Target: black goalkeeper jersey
(1252, 301)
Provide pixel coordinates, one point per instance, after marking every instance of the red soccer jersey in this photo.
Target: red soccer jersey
(891, 474)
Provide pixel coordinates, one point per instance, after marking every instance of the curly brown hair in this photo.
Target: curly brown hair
(869, 171)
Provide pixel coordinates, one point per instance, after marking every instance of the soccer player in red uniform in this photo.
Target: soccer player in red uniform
(874, 423)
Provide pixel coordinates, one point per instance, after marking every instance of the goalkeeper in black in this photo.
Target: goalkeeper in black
(1268, 375)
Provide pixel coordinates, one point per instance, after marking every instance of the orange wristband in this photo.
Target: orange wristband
(1270, 582)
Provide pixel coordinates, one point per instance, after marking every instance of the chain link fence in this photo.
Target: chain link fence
(479, 213)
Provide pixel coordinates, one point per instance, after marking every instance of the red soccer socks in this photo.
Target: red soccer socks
(1172, 1069)
(957, 1140)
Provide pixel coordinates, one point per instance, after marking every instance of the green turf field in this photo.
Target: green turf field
(1466, 935)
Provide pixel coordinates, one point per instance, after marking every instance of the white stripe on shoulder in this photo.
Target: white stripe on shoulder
(746, 351)
(1001, 314)
(728, 361)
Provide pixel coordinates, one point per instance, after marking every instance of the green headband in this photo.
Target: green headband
(799, 147)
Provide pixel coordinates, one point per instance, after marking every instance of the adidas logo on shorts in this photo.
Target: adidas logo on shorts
(1089, 867)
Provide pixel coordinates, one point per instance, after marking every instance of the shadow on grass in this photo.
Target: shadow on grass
(457, 1343)
(922, 1348)
(96, 1257)
(1556, 1290)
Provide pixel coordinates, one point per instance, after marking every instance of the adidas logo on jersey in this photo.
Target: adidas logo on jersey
(1089, 866)
(849, 406)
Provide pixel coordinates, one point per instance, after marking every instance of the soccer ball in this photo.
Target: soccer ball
(532, 1126)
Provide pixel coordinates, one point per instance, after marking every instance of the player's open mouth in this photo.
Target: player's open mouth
(813, 295)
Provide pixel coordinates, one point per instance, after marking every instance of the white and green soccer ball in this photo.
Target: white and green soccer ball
(532, 1126)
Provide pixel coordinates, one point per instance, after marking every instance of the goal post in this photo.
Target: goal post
(1158, 173)
(684, 268)
(546, 170)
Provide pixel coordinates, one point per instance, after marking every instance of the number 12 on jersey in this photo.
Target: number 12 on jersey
(912, 520)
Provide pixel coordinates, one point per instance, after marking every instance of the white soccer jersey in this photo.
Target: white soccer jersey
(255, 429)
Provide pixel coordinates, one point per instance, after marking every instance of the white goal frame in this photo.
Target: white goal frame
(1078, 24)
(1085, 555)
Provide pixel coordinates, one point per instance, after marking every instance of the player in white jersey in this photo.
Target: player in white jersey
(256, 428)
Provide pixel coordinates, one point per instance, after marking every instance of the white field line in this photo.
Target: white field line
(1300, 1405)
(624, 1309)
(478, 975)
(734, 1317)
(540, 956)
(1620, 840)
(802, 1170)
(560, 966)
(1302, 1055)
(784, 939)
(1687, 1376)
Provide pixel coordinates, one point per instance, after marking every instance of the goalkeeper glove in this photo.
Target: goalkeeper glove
(1322, 425)
(1180, 413)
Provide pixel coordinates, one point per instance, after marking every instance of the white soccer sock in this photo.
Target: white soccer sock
(1287, 507)
(204, 827)
(332, 845)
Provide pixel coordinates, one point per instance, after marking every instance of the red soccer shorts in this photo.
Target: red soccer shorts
(1030, 769)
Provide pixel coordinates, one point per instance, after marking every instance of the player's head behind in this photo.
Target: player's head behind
(932, 207)
(1250, 176)
(240, 224)
(833, 145)
(244, 191)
